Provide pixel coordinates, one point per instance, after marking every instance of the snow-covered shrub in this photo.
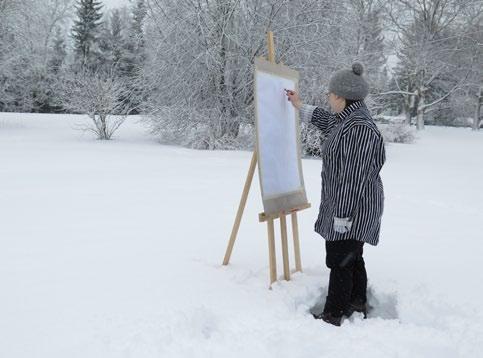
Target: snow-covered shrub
(102, 96)
(397, 132)
(199, 128)
(311, 139)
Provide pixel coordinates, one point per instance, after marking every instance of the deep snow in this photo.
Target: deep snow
(114, 249)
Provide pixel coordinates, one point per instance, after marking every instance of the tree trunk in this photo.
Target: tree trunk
(479, 102)
(407, 114)
(408, 107)
(420, 115)
(103, 135)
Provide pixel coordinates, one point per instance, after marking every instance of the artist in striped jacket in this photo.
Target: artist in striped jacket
(352, 198)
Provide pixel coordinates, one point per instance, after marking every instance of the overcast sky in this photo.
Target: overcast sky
(114, 3)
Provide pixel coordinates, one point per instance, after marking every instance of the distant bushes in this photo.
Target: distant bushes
(397, 132)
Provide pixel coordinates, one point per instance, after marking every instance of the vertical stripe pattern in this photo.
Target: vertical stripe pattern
(352, 157)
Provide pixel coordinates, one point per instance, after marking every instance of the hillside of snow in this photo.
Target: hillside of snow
(114, 249)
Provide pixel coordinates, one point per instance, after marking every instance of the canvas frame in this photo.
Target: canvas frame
(285, 201)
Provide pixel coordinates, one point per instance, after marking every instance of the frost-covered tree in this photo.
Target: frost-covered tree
(139, 12)
(200, 61)
(59, 51)
(368, 47)
(85, 31)
(112, 42)
(472, 62)
(429, 53)
(121, 45)
(134, 54)
(369, 40)
(8, 12)
(27, 30)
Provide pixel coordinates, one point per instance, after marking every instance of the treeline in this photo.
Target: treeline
(187, 65)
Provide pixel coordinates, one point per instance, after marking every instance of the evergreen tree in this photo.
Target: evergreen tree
(116, 36)
(135, 55)
(138, 15)
(112, 42)
(85, 31)
(59, 52)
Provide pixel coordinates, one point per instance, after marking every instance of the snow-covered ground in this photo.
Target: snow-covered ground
(114, 249)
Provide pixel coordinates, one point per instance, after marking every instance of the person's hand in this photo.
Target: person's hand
(342, 225)
(293, 98)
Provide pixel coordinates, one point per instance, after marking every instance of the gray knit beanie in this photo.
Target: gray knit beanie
(349, 84)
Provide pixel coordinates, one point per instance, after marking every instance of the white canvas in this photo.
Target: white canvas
(277, 132)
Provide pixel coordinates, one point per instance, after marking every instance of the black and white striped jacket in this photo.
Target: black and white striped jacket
(352, 157)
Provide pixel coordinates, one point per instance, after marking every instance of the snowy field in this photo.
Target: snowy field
(114, 249)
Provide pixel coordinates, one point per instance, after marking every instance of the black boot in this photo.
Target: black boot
(330, 318)
(357, 306)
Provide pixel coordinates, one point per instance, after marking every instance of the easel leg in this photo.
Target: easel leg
(286, 265)
(296, 244)
(241, 207)
(271, 251)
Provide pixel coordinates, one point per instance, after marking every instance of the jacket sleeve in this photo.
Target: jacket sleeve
(319, 117)
(356, 160)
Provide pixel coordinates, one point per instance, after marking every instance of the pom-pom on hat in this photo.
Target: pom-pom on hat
(349, 83)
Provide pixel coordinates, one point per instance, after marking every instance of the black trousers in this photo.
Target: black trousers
(348, 277)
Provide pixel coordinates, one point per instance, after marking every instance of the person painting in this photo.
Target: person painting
(352, 198)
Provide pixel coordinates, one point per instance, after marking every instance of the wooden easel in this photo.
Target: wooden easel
(269, 218)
